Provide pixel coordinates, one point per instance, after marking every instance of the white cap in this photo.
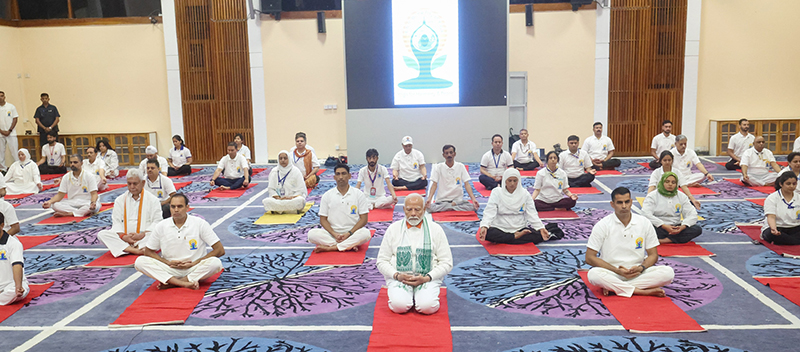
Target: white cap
(151, 150)
(407, 140)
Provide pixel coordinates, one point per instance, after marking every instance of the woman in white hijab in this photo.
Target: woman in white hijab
(287, 188)
(23, 175)
(510, 216)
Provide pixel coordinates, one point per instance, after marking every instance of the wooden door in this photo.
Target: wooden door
(726, 130)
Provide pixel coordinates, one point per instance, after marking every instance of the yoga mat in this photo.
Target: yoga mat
(507, 250)
(16, 205)
(52, 220)
(121, 174)
(36, 290)
(170, 306)
(179, 185)
(231, 193)
(405, 192)
(695, 190)
(378, 215)
(17, 196)
(193, 171)
(275, 219)
(321, 171)
(528, 173)
(558, 215)
(688, 249)
(481, 189)
(112, 187)
(608, 173)
(393, 332)
(453, 216)
(645, 314)
(258, 170)
(759, 201)
(646, 165)
(33, 241)
(50, 176)
(788, 287)
(47, 187)
(762, 189)
(754, 232)
(346, 258)
(585, 190)
(108, 261)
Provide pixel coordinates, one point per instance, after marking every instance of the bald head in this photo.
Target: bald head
(758, 143)
(414, 208)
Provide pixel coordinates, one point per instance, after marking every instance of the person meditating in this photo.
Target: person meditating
(794, 164)
(510, 216)
(96, 167)
(600, 149)
(135, 213)
(109, 157)
(756, 163)
(524, 153)
(373, 178)
(287, 189)
(408, 167)
(233, 169)
(23, 176)
(450, 178)
(159, 185)
(683, 159)
(342, 214)
(671, 213)
(180, 158)
(577, 164)
(666, 166)
(551, 189)
(80, 188)
(661, 142)
(13, 283)
(738, 144)
(414, 258)
(627, 246)
(782, 210)
(494, 163)
(53, 156)
(183, 240)
(304, 158)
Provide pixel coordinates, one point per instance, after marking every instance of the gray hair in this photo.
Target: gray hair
(134, 173)
(680, 137)
(80, 158)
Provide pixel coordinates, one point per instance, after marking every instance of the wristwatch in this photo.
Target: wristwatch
(643, 267)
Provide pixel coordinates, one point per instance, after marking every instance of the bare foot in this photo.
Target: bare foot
(560, 209)
(656, 292)
(134, 251)
(166, 286)
(224, 188)
(607, 292)
(320, 248)
(59, 214)
(400, 188)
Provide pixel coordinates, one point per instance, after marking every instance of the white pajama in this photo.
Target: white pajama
(284, 205)
(424, 298)
(461, 205)
(655, 276)
(162, 272)
(77, 207)
(8, 294)
(691, 178)
(323, 238)
(383, 202)
(12, 143)
(116, 245)
(767, 179)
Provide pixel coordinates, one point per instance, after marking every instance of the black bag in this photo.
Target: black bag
(555, 232)
(331, 162)
(512, 138)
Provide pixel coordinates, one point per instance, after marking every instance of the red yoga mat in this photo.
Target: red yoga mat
(696, 190)
(321, 171)
(528, 173)
(231, 193)
(179, 185)
(172, 306)
(608, 173)
(392, 331)
(17, 196)
(348, 258)
(481, 189)
(35, 291)
(759, 201)
(453, 216)
(193, 171)
(108, 261)
(53, 220)
(585, 190)
(645, 313)
(33, 241)
(258, 170)
(646, 165)
(754, 232)
(502, 249)
(406, 192)
(377, 215)
(688, 249)
(762, 189)
(788, 287)
(50, 176)
(122, 173)
(46, 187)
(558, 215)
(112, 187)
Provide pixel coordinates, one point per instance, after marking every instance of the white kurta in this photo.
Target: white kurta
(126, 212)
(112, 162)
(342, 212)
(510, 219)
(22, 178)
(289, 184)
(597, 148)
(682, 165)
(661, 210)
(94, 169)
(759, 165)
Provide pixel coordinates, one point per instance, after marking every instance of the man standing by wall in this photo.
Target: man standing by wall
(8, 132)
(47, 118)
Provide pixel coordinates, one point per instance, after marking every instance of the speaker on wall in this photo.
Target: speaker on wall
(272, 7)
(529, 15)
(320, 21)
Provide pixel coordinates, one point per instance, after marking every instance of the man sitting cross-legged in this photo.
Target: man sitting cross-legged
(135, 213)
(80, 188)
(342, 213)
(450, 178)
(231, 172)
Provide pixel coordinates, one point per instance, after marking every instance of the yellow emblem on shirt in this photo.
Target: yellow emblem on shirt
(560, 184)
(677, 208)
(85, 189)
(3, 255)
(193, 245)
(797, 214)
(458, 180)
(415, 165)
(353, 210)
(605, 147)
(639, 242)
(160, 194)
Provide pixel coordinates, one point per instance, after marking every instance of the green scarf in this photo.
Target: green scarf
(424, 255)
(661, 188)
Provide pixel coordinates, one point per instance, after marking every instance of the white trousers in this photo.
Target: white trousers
(693, 178)
(162, 272)
(654, 276)
(116, 245)
(424, 298)
(767, 179)
(383, 202)
(283, 205)
(461, 205)
(78, 208)
(8, 294)
(322, 237)
(11, 142)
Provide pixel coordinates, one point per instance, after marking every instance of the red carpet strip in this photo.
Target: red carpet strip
(231, 193)
(508, 250)
(762, 189)
(453, 216)
(688, 249)
(788, 287)
(411, 331)
(558, 215)
(33, 241)
(754, 232)
(108, 261)
(36, 291)
(585, 190)
(378, 215)
(347, 258)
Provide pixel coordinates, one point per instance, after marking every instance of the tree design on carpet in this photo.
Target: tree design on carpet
(85, 237)
(548, 285)
(728, 190)
(219, 344)
(277, 285)
(624, 344)
(632, 167)
(282, 233)
(771, 264)
(69, 279)
(723, 216)
(636, 185)
(578, 229)
(37, 198)
(94, 221)
(316, 194)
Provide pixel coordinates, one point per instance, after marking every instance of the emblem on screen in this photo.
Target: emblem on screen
(424, 43)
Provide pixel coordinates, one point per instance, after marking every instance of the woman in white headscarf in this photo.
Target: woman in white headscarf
(287, 188)
(23, 175)
(510, 216)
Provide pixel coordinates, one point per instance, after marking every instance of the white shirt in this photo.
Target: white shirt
(655, 177)
(162, 165)
(501, 217)
(662, 210)
(740, 143)
(179, 157)
(597, 148)
(551, 186)
(788, 169)
(186, 243)
(441, 257)
(757, 163)
(785, 216)
(10, 253)
(244, 151)
(496, 164)
(151, 213)
(408, 165)
(7, 114)
(374, 188)
(621, 245)
(796, 147)
(54, 154)
(449, 181)
(661, 143)
(524, 152)
(95, 167)
(161, 188)
(343, 211)
(110, 159)
(78, 188)
(300, 162)
(682, 164)
(9, 213)
(574, 164)
(234, 168)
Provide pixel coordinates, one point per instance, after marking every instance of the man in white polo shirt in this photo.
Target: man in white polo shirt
(577, 164)
(96, 167)
(408, 167)
(342, 213)
(152, 153)
(661, 142)
(12, 221)
(8, 130)
(601, 149)
(53, 156)
(756, 162)
(132, 219)
(524, 153)
(627, 246)
(79, 187)
(235, 168)
(159, 185)
(450, 178)
(738, 143)
(13, 283)
(373, 177)
(494, 163)
(683, 159)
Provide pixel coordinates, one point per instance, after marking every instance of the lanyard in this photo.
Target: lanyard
(371, 177)
(139, 217)
(297, 158)
(282, 180)
(151, 183)
(51, 150)
(789, 205)
(497, 160)
(552, 173)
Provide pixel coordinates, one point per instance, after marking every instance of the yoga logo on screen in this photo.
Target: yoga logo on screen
(425, 52)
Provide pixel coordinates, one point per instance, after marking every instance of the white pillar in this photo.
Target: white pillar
(259, 147)
(690, 71)
(601, 64)
(173, 67)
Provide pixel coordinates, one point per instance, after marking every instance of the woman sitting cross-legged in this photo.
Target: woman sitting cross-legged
(23, 175)
(287, 189)
(671, 212)
(552, 186)
(782, 208)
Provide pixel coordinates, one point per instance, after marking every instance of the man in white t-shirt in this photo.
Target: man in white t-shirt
(53, 156)
(524, 153)
(342, 214)
(738, 143)
(12, 221)
(183, 241)
(13, 283)
(373, 177)
(661, 142)
(96, 167)
(627, 246)
(80, 188)
(494, 163)
(304, 158)
(8, 130)
(152, 153)
(756, 162)
(235, 168)
(159, 185)
(577, 164)
(408, 167)
(601, 149)
(132, 219)
(450, 178)
(683, 159)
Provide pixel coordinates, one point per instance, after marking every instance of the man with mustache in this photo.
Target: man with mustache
(80, 188)
(373, 177)
(738, 143)
(450, 178)
(342, 213)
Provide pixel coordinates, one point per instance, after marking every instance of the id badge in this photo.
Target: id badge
(281, 192)
(372, 192)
